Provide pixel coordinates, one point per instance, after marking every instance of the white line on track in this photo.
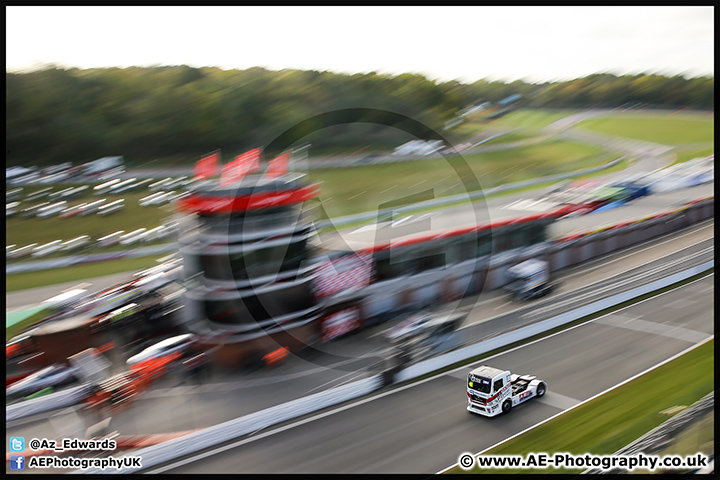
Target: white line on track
(654, 328)
(355, 196)
(372, 226)
(391, 188)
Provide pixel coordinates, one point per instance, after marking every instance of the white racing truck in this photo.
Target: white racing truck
(492, 391)
(528, 280)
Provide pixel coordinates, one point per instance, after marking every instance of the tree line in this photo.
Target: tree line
(58, 115)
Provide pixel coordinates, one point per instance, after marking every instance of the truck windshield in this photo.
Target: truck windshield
(480, 384)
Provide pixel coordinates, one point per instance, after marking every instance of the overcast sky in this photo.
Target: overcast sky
(464, 43)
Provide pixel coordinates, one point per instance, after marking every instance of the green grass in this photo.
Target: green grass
(508, 138)
(469, 129)
(24, 231)
(667, 130)
(608, 423)
(15, 324)
(685, 155)
(532, 119)
(25, 280)
(699, 437)
(362, 189)
(621, 165)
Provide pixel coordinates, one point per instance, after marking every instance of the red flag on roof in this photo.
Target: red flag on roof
(278, 166)
(207, 166)
(241, 166)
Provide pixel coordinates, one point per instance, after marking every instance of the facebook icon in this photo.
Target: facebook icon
(17, 462)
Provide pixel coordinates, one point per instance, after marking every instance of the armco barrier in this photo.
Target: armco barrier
(523, 333)
(47, 403)
(226, 431)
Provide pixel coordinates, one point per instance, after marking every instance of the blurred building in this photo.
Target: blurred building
(256, 281)
(249, 259)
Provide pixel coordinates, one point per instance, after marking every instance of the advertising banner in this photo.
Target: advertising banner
(340, 323)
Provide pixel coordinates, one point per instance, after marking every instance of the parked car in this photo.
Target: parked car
(110, 240)
(139, 185)
(76, 192)
(78, 243)
(32, 211)
(153, 234)
(42, 193)
(122, 185)
(47, 249)
(73, 210)
(25, 179)
(151, 199)
(22, 251)
(165, 231)
(69, 299)
(133, 237)
(179, 343)
(51, 210)
(176, 183)
(112, 173)
(90, 208)
(160, 184)
(60, 193)
(104, 188)
(11, 208)
(111, 207)
(53, 178)
(13, 194)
